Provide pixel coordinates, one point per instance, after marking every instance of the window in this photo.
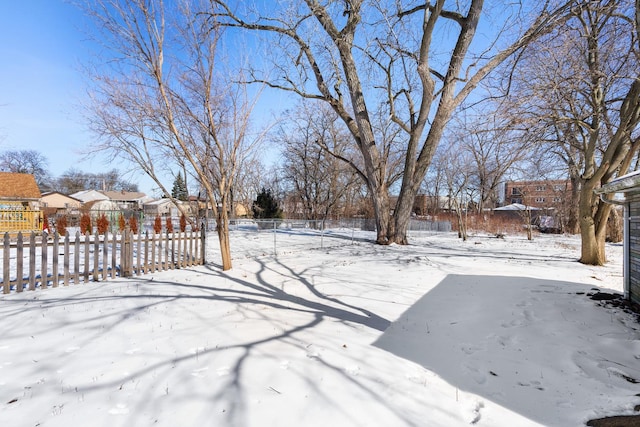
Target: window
(515, 191)
(539, 199)
(541, 188)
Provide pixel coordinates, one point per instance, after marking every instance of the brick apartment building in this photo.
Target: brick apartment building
(540, 194)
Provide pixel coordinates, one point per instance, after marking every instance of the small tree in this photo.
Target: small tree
(179, 190)
(85, 223)
(266, 206)
(103, 224)
(61, 225)
(183, 223)
(157, 224)
(133, 224)
(122, 224)
(169, 225)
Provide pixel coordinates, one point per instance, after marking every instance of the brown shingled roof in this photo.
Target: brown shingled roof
(18, 186)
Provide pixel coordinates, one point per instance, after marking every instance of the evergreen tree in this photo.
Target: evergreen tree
(179, 190)
(266, 206)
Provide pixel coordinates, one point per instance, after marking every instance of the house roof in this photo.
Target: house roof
(18, 186)
(125, 196)
(89, 196)
(52, 193)
(516, 207)
(623, 184)
(159, 202)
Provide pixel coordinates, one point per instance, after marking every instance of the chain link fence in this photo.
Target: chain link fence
(292, 235)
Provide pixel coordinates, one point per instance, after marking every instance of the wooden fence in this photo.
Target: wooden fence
(42, 261)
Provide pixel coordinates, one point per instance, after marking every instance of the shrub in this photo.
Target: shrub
(103, 224)
(183, 223)
(266, 206)
(122, 224)
(133, 224)
(169, 225)
(45, 223)
(61, 225)
(85, 224)
(157, 224)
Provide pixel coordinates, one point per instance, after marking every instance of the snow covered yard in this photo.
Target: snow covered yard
(488, 332)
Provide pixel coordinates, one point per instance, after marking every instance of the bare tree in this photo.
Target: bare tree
(313, 142)
(495, 145)
(581, 85)
(27, 161)
(165, 99)
(458, 173)
(73, 180)
(413, 63)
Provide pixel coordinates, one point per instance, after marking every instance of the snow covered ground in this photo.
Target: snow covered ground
(332, 331)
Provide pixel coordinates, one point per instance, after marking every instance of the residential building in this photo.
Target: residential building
(19, 203)
(548, 194)
(127, 200)
(55, 203)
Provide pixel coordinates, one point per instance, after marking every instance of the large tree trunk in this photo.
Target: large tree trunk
(402, 213)
(593, 215)
(572, 222)
(382, 214)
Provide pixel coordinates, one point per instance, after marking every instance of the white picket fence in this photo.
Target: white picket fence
(42, 261)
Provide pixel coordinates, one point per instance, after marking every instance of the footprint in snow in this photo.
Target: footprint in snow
(119, 409)
(199, 373)
(353, 370)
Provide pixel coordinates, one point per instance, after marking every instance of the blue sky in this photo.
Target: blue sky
(42, 46)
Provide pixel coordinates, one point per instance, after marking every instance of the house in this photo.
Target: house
(19, 203)
(55, 203)
(162, 207)
(127, 200)
(518, 211)
(628, 187)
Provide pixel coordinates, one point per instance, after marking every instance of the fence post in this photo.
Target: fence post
(146, 269)
(96, 256)
(44, 251)
(105, 255)
(139, 253)
(203, 241)
(54, 268)
(32, 261)
(19, 261)
(87, 239)
(6, 276)
(76, 259)
(153, 252)
(178, 248)
(126, 259)
(66, 258)
(113, 253)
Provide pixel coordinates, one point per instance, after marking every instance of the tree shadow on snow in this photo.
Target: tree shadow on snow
(249, 300)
